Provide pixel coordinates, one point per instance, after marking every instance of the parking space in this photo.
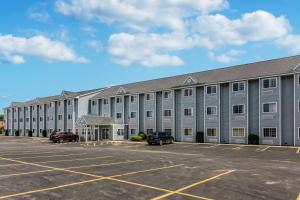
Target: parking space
(43, 170)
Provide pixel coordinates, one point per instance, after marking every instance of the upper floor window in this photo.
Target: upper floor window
(69, 102)
(59, 103)
(270, 107)
(133, 99)
(105, 101)
(211, 89)
(59, 117)
(21, 120)
(167, 113)
(69, 116)
(270, 83)
(148, 96)
(33, 119)
(270, 132)
(238, 109)
(119, 115)
(27, 119)
(94, 103)
(119, 100)
(188, 92)
(133, 115)
(298, 79)
(188, 112)
(239, 86)
(41, 119)
(33, 107)
(149, 114)
(41, 107)
(167, 94)
(211, 110)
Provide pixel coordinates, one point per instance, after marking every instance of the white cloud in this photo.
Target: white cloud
(149, 50)
(290, 42)
(139, 15)
(39, 13)
(95, 45)
(227, 57)
(251, 27)
(15, 49)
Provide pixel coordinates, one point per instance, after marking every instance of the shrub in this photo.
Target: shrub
(6, 133)
(44, 133)
(136, 138)
(200, 137)
(17, 133)
(30, 133)
(253, 139)
(143, 135)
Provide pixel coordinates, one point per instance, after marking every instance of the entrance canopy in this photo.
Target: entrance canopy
(93, 120)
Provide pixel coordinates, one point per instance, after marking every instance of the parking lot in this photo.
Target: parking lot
(34, 168)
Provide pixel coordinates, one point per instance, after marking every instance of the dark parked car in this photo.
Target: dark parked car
(51, 135)
(64, 136)
(160, 138)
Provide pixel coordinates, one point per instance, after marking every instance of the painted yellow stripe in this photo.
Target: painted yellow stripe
(238, 147)
(9, 165)
(193, 185)
(298, 197)
(298, 151)
(65, 155)
(263, 149)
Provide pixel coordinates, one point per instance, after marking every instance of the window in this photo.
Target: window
(167, 113)
(298, 106)
(269, 83)
(270, 107)
(15, 120)
(211, 110)
(188, 112)
(33, 107)
(238, 132)
(238, 109)
(48, 118)
(105, 101)
(69, 116)
(27, 119)
(41, 119)
(299, 132)
(149, 114)
(120, 131)
(26, 108)
(94, 103)
(33, 131)
(41, 130)
(188, 131)
(41, 107)
(211, 89)
(21, 120)
(211, 132)
(168, 131)
(167, 94)
(119, 100)
(298, 79)
(69, 102)
(119, 115)
(240, 86)
(132, 131)
(133, 115)
(270, 132)
(133, 99)
(149, 131)
(59, 103)
(148, 97)
(59, 117)
(33, 119)
(188, 92)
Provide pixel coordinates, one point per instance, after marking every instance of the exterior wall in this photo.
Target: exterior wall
(10, 121)
(188, 122)
(60, 111)
(141, 114)
(270, 120)
(150, 105)
(238, 120)
(41, 119)
(94, 107)
(159, 111)
(212, 121)
(27, 119)
(119, 108)
(297, 110)
(35, 118)
(133, 107)
(168, 104)
(200, 109)
(112, 108)
(51, 117)
(69, 111)
(21, 121)
(178, 114)
(106, 109)
(5, 119)
(253, 102)
(225, 113)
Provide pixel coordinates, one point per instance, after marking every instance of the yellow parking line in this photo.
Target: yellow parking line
(19, 154)
(298, 151)
(238, 147)
(193, 185)
(298, 197)
(264, 149)
(9, 165)
(75, 154)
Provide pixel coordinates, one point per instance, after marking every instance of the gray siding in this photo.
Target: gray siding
(141, 107)
(134, 107)
(188, 122)
(200, 109)
(159, 111)
(106, 108)
(178, 113)
(168, 104)
(297, 110)
(119, 108)
(150, 105)
(112, 108)
(253, 101)
(60, 111)
(225, 112)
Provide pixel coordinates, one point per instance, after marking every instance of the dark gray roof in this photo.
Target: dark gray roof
(239, 72)
(93, 120)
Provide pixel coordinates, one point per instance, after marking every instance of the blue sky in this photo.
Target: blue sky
(49, 46)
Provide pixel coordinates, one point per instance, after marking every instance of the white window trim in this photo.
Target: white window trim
(188, 135)
(239, 105)
(117, 115)
(269, 103)
(269, 128)
(151, 97)
(270, 79)
(211, 93)
(192, 111)
(149, 111)
(189, 96)
(168, 91)
(238, 83)
(131, 115)
(238, 128)
(134, 99)
(171, 113)
(212, 107)
(212, 128)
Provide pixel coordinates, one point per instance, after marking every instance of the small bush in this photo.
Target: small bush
(29, 133)
(6, 133)
(17, 133)
(253, 139)
(143, 135)
(44, 133)
(136, 138)
(200, 137)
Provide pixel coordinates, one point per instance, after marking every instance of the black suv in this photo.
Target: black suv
(160, 138)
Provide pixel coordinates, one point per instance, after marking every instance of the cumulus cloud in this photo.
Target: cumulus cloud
(227, 57)
(15, 49)
(38, 12)
(96, 45)
(139, 15)
(290, 42)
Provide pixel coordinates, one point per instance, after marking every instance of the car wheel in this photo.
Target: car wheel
(161, 142)
(61, 140)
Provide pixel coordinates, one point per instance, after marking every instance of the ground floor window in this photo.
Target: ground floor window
(150, 130)
(69, 130)
(33, 131)
(41, 130)
(133, 131)
(270, 132)
(120, 131)
(238, 132)
(168, 131)
(211, 132)
(188, 131)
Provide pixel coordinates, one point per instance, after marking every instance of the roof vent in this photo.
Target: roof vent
(121, 90)
(189, 81)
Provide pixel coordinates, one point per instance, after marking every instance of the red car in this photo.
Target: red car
(64, 137)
